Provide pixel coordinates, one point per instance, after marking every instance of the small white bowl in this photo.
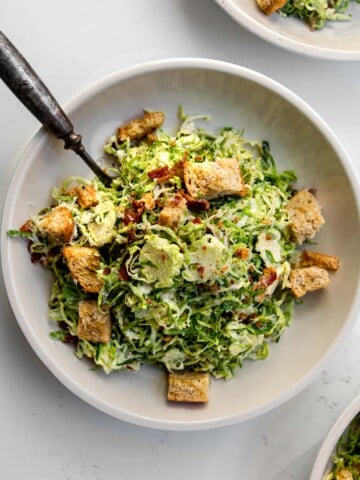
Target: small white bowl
(338, 40)
(299, 139)
(323, 463)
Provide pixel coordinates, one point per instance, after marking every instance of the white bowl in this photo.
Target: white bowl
(323, 463)
(339, 40)
(299, 139)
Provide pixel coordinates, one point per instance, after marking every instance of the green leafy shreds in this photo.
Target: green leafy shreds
(191, 297)
(317, 12)
(19, 233)
(347, 454)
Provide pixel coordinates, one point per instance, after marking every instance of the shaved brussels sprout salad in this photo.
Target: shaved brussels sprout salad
(317, 12)
(346, 459)
(204, 293)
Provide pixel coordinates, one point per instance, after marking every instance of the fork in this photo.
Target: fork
(24, 82)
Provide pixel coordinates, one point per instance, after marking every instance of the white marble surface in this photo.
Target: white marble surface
(47, 432)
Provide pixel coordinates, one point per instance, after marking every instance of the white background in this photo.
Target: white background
(45, 431)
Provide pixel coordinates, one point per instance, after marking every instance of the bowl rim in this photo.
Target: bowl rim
(41, 136)
(334, 434)
(269, 35)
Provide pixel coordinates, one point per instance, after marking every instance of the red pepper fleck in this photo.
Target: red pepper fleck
(196, 220)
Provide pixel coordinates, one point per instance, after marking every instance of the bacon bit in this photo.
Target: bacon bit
(131, 235)
(268, 236)
(160, 174)
(123, 273)
(107, 270)
(196, 220)
(242, 253)
(220, 224)
(178, 169)
(45, 259)
(71, 339)
(177, 201)
(198, 157)
(133, 215)
(201, 271)
(268, 278)
(214, 288)
(36, 257)
(27, 227)
(137, 204)
(163, 174)
(197, 204)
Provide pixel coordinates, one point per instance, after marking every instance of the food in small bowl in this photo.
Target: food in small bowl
(300, 141)
(315, 13)
(318, 28)
(339, 456)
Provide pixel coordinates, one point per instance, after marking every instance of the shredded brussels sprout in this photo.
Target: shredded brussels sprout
(346, 460)
(317, 12)
(197, 296)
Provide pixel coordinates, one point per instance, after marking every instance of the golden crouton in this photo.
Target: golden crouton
(83, 262)
(94, 325)
(140, 127)
(308, 279)
(172, 213)
(316, 259)
(188, 387)
(86, 195)
(305, 219)
(58, 224)
(213, 179)
(270, 6)
(344, 474)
